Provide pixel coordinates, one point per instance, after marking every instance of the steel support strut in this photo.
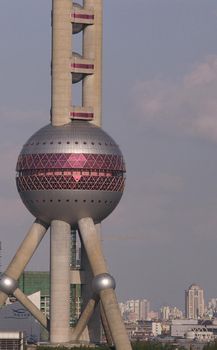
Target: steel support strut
(107, 294)
(28, 304)
(84, 318)
(24, 254)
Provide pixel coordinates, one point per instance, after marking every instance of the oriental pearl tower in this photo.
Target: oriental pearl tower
(70, 175)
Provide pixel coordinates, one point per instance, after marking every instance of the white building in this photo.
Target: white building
(152, 328)
(144, 309)
(12, 340)
(180, 327)
(15, 318)
(165, 313)
(170, 313)
(212, 308)
(200, 334)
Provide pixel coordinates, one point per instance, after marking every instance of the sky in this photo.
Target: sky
(160, 105)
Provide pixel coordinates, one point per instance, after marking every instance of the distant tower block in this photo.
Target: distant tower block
(194, 302)
(71, 175)
(0, 256)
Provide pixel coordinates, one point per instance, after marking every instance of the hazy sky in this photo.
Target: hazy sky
(160, 105)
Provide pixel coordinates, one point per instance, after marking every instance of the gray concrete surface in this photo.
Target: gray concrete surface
(60, 244)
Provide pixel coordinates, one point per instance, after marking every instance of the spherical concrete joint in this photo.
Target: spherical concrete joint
(103, 281)
(7, 284)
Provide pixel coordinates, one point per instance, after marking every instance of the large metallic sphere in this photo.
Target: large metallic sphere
(70, 172)
(7, 284)
(103, 281)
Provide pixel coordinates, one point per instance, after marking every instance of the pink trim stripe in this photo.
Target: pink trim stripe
(61, 182)
(82, 65)
(82, 16)
(62, 161)
(83, 115)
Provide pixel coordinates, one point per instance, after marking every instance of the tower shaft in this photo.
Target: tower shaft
(92, 97)
(61, 91)
(60, 67)
(92, 49)
(60, 281)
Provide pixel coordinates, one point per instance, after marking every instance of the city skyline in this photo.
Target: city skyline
(172, 68)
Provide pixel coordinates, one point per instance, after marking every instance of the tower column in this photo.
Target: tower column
(61, 89)
(92, 49)
(60, 282)
(93, 331)
(61, 56)
(106, 327)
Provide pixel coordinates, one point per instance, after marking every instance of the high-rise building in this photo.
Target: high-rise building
(33, 281)
(135, 309)
(212, 304)
(165, 313)
(144, 309)
(194, 302)
(0, 257)
(170, 313)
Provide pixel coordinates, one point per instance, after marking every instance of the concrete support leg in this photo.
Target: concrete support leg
(106, 327)
(25, 253)
(93, 331)
(84, 318)
(92, 244)
(113, 315)
(3, 298)
(93, 248)
(28, 304)
(60, 282)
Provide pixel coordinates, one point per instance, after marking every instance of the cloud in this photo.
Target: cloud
(23, 120)
(12, 209)
(147, 206)
(187, 106)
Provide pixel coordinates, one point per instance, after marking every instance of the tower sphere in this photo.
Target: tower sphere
(70, 172)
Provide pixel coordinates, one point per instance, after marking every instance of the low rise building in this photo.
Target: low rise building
(12, 340)
(151, 328)
(180, 327)
(15, 318)
(200, 334)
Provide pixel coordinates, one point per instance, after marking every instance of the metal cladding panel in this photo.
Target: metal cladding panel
(70, 206)
(88, 161)
(75, 137)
